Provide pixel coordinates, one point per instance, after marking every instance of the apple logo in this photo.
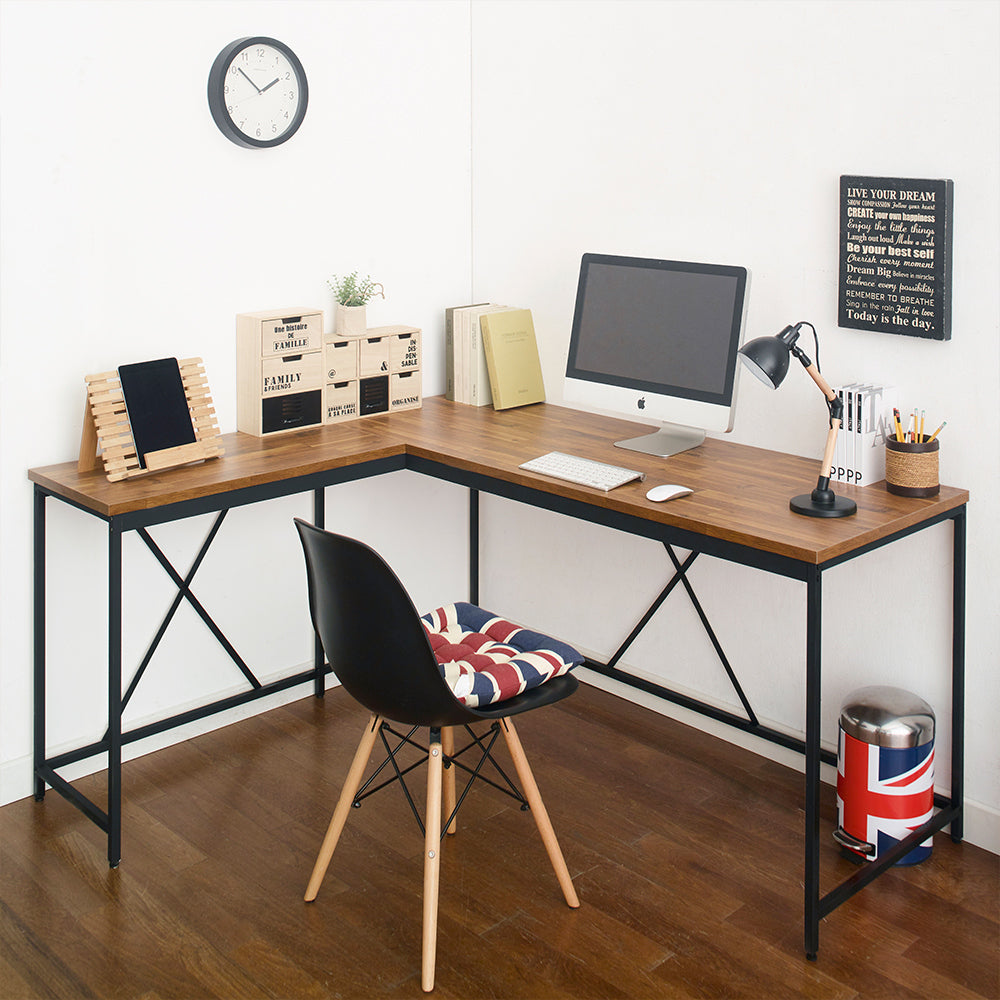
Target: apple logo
(641, 402)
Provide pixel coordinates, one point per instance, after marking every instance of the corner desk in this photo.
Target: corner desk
(738, 512)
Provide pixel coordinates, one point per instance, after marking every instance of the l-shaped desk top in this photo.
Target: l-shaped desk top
(740, 493)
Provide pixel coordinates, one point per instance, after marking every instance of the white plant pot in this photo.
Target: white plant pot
(351, 321)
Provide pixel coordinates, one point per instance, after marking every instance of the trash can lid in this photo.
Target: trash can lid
(887, 717)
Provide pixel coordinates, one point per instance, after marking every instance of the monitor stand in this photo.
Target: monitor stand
(668, 440)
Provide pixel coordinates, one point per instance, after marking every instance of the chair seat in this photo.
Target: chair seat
(486, 659)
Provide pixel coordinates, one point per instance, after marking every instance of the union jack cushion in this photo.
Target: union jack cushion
(485, 659)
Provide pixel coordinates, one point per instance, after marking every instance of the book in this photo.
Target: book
(876, 418)
(472, 354)
(512, 358)
(838, 471)
(849, 449)
(450, 347)
(859, 457)
(479, 391)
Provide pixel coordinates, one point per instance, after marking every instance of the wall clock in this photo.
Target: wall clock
(257, 92)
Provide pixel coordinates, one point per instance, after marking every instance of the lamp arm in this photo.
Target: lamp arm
(817, 377)
(831, 447)
(836, 407)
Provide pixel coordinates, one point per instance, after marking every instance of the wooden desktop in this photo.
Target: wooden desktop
(738, 511)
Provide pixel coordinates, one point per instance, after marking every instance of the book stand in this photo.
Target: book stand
(106, 427)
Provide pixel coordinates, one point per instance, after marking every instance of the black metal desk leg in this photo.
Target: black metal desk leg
(814, 634)
(114, 694)
(38, 585)
(958, 678)
(473, 546)
(319, 659)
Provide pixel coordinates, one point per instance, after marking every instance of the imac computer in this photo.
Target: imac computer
(658, 339)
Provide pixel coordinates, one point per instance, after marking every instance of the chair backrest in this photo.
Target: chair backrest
(371, 632)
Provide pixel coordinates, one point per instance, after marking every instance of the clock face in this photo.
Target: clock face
(257, 92)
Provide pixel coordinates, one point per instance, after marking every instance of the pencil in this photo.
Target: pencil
(920, 436)
(944, 423)
(899, 427)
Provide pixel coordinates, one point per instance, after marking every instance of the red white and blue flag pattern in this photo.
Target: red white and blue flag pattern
(486, 659)
(884, 794)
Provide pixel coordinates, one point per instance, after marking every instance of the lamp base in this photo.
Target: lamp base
(836, 507)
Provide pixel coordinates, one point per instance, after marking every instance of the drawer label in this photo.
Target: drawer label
(281, 383)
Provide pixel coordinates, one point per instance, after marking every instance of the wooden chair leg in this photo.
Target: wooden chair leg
(538, 811)
(432, 859)
(350, 789)
(450, 798)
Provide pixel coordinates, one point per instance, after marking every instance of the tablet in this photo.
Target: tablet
(157, 406)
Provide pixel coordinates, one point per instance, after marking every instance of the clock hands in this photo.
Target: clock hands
(270, 85)
(252, 84)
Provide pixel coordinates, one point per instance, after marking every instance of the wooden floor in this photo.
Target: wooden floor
(686, 854)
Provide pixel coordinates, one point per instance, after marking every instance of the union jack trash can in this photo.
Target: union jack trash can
(885, 772)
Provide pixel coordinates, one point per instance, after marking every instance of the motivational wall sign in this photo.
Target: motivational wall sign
(895, 255)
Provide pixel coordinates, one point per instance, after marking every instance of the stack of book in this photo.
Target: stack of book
(492, 356)
(868, 420)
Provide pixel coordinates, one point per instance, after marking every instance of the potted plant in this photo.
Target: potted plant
(353, 295)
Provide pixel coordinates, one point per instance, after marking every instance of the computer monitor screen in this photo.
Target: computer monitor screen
(658, 339)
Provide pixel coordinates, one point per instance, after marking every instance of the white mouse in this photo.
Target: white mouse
(667, 492)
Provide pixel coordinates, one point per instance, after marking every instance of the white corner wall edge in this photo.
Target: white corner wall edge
(982, 822)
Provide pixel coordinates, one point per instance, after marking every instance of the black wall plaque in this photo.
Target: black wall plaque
(895, 255)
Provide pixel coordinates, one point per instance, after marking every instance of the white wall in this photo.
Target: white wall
(131, 229)
(718, 132)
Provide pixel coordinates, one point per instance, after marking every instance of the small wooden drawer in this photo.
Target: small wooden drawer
(404, 391)
(291, 411)
(291, 334)
(404, 350)
(373, 395)
(340, 357)
(292, 373)
(340, 401)
(373, 358)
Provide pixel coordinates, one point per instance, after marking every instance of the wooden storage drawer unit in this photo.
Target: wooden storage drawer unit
(279, 370)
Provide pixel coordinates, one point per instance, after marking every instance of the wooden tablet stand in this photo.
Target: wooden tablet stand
(106, 427)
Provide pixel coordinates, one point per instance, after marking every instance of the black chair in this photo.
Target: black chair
(377, 646)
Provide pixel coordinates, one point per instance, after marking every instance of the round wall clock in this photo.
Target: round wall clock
(257, 92)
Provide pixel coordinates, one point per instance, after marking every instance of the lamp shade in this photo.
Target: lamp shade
(767, 358)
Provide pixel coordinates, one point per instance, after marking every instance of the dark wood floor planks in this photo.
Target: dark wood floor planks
(685, 851)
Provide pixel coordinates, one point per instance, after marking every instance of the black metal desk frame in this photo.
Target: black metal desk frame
(816, 906)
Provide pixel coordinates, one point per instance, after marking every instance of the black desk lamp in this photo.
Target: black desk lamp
(767, 358)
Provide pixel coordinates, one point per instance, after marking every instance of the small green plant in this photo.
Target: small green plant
(355, 291)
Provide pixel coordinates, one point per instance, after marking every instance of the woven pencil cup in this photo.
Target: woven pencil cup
(911, 470)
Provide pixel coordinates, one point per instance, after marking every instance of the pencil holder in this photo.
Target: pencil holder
(911, 470)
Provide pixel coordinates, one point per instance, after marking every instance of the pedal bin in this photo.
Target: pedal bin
(885, 772)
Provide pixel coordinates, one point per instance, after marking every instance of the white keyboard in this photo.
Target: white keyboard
(581, 470)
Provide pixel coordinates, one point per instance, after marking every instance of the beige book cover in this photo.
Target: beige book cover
(512, 358)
